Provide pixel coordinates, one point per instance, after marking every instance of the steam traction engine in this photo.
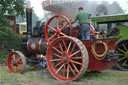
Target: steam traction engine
(33, 50)
(68, 58)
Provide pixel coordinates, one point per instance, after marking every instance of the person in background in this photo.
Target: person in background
(84, 21)
(97, 31)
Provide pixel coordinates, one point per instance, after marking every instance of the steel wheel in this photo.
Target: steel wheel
(61, 29)
(67, 58)
(16, 62)
(122, 50)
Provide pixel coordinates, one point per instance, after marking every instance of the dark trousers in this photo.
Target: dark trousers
(85, 31)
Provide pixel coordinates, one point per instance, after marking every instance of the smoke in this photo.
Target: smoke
(101, 9)
(93, 7)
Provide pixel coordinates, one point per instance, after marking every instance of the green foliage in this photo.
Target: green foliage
(3, 57)
(9, 39)
(12, 7)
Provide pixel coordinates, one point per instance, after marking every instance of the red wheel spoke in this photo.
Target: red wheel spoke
(61, 47)
(74, 53)
(69, 46)
(18, 59)
(64, 44)
(73, 48)
(64, 71)
(64, 26)
(57, 55)
(75, 68)
(72, 70)
(57, 22)
(63, 34)
(14, 58)
(75, 62)
(52, 28)
(59, 68)
(53, 60)
(52, 36)
(76, 58)
(58, 35)
(57, 50)
(58, 64)
(68, 71)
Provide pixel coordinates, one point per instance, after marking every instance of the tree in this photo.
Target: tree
(12, 8)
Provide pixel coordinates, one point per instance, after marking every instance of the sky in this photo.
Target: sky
(36, 4)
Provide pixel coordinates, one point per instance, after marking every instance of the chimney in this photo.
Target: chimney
(29, 18)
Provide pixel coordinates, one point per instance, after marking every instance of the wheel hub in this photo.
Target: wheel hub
(66, 58)
(14, 63)
(126, 55)
(58, 31)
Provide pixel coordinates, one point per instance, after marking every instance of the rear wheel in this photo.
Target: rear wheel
(67, 58)
(62, 28)
(16, 62)
(122, 51)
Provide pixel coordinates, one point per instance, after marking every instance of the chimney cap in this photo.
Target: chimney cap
(28, 4)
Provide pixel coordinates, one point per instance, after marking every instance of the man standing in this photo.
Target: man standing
(84, 21)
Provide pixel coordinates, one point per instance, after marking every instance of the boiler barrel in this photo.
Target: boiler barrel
(37, 46)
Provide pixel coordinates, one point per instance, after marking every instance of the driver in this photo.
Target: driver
(84, 21)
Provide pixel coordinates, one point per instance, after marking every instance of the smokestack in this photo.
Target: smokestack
(29, 18)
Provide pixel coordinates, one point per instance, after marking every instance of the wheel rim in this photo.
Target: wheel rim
(58, 30)
(65, 59)
(122, 50)
(16, 62)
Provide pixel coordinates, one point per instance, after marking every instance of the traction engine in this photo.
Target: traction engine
(68, 57)
(33, 52)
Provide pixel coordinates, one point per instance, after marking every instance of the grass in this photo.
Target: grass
(107, 78)
(95, 78)
(3, 56)
(30, 74)
(99, 76)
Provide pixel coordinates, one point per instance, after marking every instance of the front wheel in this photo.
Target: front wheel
(16, 62)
